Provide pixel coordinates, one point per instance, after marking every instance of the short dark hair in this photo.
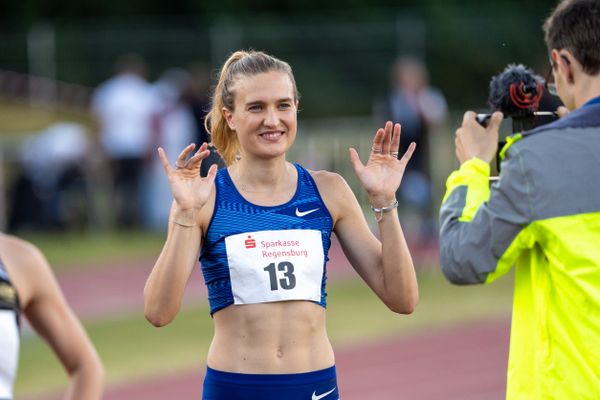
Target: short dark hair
(575, 26)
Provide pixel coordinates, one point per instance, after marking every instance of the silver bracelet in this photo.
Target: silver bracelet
(380, 210)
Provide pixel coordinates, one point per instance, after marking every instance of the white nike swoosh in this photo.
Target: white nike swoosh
(320, 396)
(303, 213)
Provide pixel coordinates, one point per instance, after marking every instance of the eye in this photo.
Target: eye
(284, 106)
(255, 108)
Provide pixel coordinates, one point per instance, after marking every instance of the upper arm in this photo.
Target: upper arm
(479, 227)
(358, 242)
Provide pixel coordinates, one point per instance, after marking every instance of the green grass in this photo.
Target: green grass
(93, 249)
(131, 348)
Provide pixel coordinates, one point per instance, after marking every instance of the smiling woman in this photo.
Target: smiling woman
(268, 307)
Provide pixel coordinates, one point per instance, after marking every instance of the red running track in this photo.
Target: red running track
(463, 362)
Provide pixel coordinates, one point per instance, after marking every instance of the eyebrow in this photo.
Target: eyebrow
(259, 102)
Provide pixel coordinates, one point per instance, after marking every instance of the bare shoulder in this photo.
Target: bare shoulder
(25, 264)
(334, 190)
(17, 251)
(329, 182)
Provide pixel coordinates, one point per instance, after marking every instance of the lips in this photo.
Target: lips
(271, 136)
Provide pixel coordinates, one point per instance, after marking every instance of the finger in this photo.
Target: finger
(495, 121)
(183, 155)
(377, 146)
(409, 152)
(203, 147)
(212, 173)
(562, 111)
(197, 158)
(164, 161)
(396, 139)
(355, 160)
(469, 118)
(387, 138)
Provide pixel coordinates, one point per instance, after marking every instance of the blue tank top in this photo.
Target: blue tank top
(233, 215)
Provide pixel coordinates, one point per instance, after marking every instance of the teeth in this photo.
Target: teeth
(271, 135)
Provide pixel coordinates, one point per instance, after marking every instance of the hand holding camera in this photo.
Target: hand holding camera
(515, 93)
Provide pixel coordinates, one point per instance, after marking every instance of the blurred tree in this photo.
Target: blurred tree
(23, 13)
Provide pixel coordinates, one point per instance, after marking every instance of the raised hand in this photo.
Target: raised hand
(382, 174)
(190, 191)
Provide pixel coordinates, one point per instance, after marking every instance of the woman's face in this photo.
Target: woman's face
(264, 115)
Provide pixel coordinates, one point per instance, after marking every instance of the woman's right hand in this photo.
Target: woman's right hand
(189, 189)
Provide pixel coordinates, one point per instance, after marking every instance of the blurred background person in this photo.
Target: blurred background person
(123, 108)
(51, 190)
(419, 108)
(28, 287)
(198, 97)
(174, 127)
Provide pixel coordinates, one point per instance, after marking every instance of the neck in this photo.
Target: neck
(262, 175)
(588, 89)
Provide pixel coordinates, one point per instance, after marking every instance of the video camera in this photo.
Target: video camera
(517, 92)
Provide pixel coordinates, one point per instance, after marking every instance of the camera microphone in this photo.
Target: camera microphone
(516, 92)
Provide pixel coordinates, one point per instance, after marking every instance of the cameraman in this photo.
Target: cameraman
(542, 215)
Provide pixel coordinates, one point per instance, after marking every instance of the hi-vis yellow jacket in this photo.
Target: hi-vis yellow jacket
(543, 216)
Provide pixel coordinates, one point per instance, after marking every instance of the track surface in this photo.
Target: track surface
(462, 362)
(466, 363)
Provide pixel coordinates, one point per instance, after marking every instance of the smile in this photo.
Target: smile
(271, 135)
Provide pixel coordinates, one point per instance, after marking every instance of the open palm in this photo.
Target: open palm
(382, 174)
(190, 190)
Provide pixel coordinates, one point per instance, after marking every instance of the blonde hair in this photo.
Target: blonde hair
(240, 63)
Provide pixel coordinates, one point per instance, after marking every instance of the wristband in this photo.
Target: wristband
(379, 211)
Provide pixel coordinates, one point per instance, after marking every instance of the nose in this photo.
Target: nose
(271, 117)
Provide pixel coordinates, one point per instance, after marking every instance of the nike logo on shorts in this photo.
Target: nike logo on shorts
(304, 213)
(316, 396)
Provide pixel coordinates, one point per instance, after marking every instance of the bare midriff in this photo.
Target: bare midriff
(271, 338)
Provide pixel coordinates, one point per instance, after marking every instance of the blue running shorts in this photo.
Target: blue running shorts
(316, 385)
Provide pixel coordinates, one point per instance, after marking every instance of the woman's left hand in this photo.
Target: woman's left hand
(383, 173)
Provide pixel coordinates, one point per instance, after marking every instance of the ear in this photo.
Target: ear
(566, 64)
(228, 115)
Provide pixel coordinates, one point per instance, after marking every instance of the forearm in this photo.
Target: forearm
(479, 225)
(166, 284)
(399, 281)
(86, 381)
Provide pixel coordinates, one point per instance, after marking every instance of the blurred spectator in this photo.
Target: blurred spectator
(198, 97)
(51, 190)
(123, 107)
(418, 107)
(174, 128)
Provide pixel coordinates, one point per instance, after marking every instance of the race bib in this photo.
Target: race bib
(270, 266)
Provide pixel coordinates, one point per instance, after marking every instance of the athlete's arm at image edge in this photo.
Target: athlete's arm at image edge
(52, 318)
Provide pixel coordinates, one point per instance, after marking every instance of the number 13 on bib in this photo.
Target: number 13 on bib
(277, 265)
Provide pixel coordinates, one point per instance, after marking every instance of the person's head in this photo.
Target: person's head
(572, 35)
(130, 63)
(256, 94)
(408, 73)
